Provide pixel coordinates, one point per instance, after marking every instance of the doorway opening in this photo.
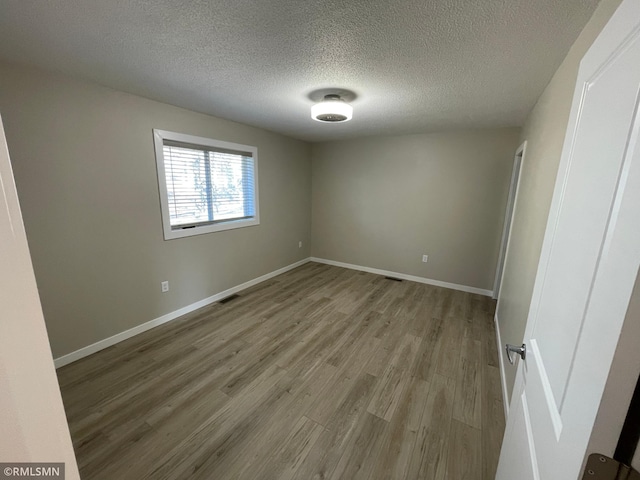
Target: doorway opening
(508, 217)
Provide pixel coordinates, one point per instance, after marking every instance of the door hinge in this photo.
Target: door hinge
(601, 467)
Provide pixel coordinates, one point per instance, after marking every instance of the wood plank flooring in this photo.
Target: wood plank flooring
(319, 373)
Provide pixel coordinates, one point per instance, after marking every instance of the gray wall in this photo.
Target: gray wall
(383, 202)
(34, 425)
(544, 132)
(86, 176)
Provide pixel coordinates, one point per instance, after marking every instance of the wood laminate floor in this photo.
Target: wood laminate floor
(319, 373)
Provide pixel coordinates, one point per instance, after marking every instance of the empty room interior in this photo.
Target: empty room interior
(291, 239)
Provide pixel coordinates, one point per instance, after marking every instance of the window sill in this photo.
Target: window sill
(171, 234)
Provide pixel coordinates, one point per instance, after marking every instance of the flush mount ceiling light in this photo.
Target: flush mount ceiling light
(332, 109)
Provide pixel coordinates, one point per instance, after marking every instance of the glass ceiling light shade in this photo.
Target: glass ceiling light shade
(332, 109)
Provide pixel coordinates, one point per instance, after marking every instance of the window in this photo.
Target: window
(205, 185)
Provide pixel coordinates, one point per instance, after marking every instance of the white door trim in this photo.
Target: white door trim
(512, 202)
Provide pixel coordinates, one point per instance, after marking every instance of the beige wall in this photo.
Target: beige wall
(85, 170)
(544, 132)
(383, 202)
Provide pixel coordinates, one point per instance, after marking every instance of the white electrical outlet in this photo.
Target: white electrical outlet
(165, 286)
(300, 244)
(425, 258)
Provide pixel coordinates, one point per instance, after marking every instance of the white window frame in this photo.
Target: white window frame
(171, 233)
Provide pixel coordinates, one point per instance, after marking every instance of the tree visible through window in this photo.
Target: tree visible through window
(206, 183)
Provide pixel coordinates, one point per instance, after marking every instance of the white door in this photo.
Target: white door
(32, 419)
(588, 264)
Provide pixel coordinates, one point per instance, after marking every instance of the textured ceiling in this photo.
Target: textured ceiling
(414, 66)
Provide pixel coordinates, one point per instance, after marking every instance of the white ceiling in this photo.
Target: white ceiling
(414, 65)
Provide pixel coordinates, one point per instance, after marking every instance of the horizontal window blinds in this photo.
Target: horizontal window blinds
(207, 185)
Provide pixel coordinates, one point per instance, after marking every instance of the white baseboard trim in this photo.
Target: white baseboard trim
(107, 342)
(503, 376)
(404, 276)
